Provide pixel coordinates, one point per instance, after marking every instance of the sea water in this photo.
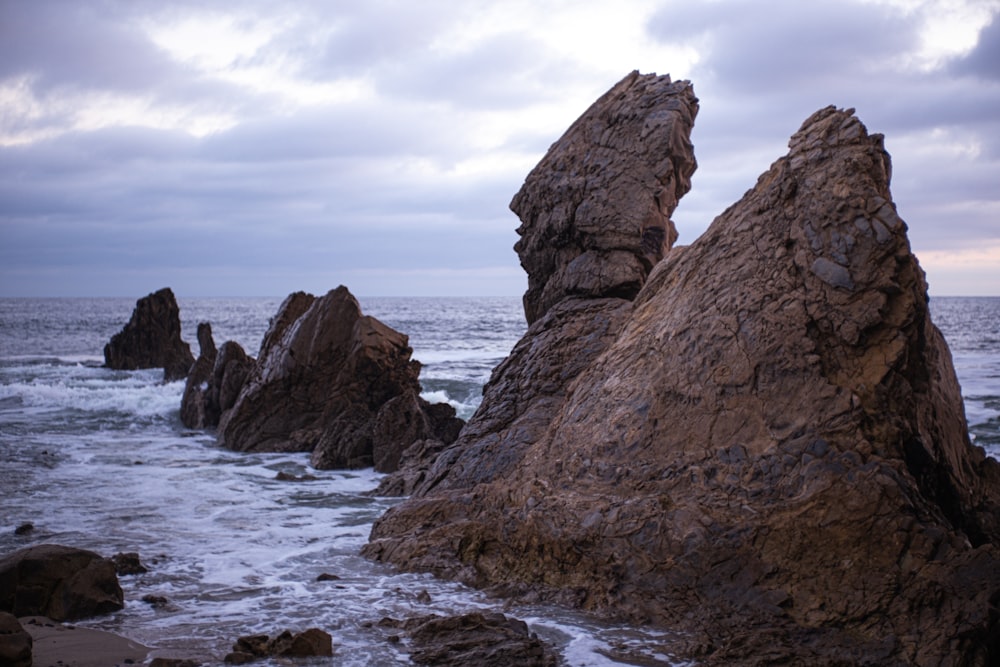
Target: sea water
(98, 459)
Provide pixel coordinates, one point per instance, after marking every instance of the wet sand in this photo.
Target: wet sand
(66, 645)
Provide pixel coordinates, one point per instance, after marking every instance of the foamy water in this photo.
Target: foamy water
(98, 459)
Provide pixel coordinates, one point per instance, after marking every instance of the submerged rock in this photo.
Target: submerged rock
(151, 339)
(62, 583)
(334, 382)
(767, 448)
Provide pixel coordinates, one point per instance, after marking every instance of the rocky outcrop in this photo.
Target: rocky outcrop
(768, 448)
(15, 643)
(596, 210)
(62, 583)
(197, 408)
(332, 381)
(485, 640)
(151, 339)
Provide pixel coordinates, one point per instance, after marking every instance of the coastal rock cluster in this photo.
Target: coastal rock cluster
(328, 380)
(151, 339)
(759, 439)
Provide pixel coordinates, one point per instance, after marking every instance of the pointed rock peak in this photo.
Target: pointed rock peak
(595, 212)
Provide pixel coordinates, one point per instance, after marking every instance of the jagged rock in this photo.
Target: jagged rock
(197, 409)
(486, 640)
(334, 382)
(15, 642)
(596, 210)
(151, 339)
(215, 380)
(232, 368)
(306, 644)
(770, 452)
(60, 582)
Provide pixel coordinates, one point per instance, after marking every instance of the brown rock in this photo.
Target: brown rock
(306, 644)
(15, 643)
(151, 339)
(60, 582)
(128, 563)
(769, 452)
(485, 640)
(334, 382)
(196, 407)
(596, 210)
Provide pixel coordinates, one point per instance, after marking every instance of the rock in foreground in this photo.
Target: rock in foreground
(62, 583)
(334, 382)
(770, 452)
(151, 339)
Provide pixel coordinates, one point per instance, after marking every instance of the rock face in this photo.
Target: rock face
(151, 339)
(60, 582)
(596, 210)
(767, 447)
(334, 382)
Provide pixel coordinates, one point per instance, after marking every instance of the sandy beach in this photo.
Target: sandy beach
(66, 645)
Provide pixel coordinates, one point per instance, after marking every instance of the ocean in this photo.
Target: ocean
(98, 459)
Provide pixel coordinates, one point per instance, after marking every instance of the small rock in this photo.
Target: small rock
(327, 577)
(24, 528)
(128, 563)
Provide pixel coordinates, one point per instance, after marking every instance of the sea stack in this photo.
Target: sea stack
(152, 339)
(334, 382)
(766, 447)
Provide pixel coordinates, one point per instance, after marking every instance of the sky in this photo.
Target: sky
(263, 147)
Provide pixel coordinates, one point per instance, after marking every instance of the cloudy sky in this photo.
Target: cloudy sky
(266, 146)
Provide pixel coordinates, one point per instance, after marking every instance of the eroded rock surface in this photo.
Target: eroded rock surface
(62, 583)
(331, 381)
(596, 210)
(769, 449)
(152, 338)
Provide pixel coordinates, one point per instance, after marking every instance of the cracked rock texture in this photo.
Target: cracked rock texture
(767, 448)
(595, 212)
(330, 381)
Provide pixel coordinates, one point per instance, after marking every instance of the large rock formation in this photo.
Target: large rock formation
(63, 583)
(151, 339)
(767, 448)
(332, 381)
(596, 212)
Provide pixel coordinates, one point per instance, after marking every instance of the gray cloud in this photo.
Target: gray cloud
(378, 189)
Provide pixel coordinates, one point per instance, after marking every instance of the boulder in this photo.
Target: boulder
(15, 643)
(62, 583)
(334, 382)
(482, 639)
(151, 339)
(768, 448)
